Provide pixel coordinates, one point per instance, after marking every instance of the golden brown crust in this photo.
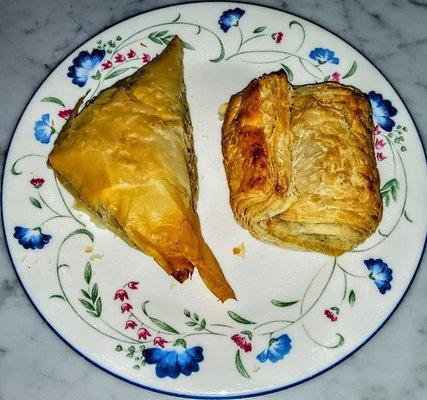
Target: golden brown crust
(314, 184)
(129, 157)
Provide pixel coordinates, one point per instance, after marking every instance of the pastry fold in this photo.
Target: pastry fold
(128, 156)
(300, 164)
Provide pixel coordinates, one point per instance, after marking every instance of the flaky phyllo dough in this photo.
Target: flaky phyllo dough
(300, 164)
(128, 156)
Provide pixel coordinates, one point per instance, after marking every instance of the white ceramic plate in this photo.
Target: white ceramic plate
(298, 313)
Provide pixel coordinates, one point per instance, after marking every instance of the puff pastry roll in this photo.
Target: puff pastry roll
(128, 156)
(300, 164)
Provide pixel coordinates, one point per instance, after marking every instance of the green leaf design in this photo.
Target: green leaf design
(407, 217)
(163, 325)
(94, 292)
(116, 72)
(191, 323)
(340, 341)
(239, 365)
(180, 342)
(294, 22)
(93, 313)
(57, 296)
(187, 313)
(195, 316)
(387, 186)
(248, 334)
(152, 36)
(336, 310)
(288, 72)
(352, 297)
(86, 294)
(88, 273)
(390, 188)
(351, 71)
(403, 148)
(119, 348)
(98, 307)
(236, 317)
(278, 303)
(177, 18)
(187, 46)
(96, 76)
(259, 29)
(198, 328)
(394, 193)
(161, 33)
(87, 305)
(203, 323)
(53, 100)
(35, 202)
(326, 78)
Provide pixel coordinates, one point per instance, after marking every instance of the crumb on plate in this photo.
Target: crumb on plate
(240, 251)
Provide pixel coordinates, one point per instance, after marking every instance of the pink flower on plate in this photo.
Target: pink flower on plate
(331, 315)
(121, 294)
(133, 285)
(335, 77)
(381, 156)
(277, 37)
(126, 307)
(379, 143)
(65, 113)
(37, 182)
(146, 58)
(119, 57)
(107, 64)
(130, 324)
(160, 341)
(143, 333)
(377, 130)
(242, 341)
(131, 54)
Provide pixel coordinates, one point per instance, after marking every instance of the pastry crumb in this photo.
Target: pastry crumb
(256, 368)
(221, 111)
(88, 249)
(94, 257)
(240, 251)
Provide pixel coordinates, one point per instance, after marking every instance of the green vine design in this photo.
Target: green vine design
(89, 307)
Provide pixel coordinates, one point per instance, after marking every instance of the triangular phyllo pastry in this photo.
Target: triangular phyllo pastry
(128, 156)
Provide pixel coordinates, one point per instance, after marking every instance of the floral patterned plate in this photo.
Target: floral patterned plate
(298, 314)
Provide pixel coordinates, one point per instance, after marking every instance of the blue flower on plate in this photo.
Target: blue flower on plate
(31, 238)
(230, 18)
(171, 363)
(382, 111)
(276, 350)
(83, 65)
(323, 56)
(43, 129)
(380, 273)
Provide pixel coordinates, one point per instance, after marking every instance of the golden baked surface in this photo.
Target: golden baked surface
(300, 164)
(129, 157)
